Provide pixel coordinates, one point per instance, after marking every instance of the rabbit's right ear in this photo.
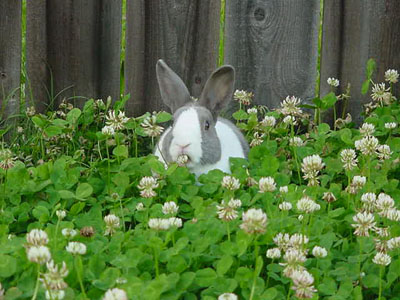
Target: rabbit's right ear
(173, 91)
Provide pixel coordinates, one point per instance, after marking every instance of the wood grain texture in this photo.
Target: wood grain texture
(36, 55)
(83, 47)
(183, 33)
(10, 57)
(369, 30)
(273, 46)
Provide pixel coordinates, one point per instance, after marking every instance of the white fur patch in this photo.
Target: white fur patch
(186, 131)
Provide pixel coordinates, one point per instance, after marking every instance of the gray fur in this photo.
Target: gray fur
(238, 133)
(210, 144)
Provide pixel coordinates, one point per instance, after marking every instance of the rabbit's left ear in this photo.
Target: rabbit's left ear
(218, 90)
(173, 91)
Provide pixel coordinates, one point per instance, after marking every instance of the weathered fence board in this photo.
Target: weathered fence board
(183, 33)
(273, 46)
(368, 28)
(10, 57)
(82, 50)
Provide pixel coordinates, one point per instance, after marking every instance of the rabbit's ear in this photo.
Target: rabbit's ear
(173, 91)
(218, 90)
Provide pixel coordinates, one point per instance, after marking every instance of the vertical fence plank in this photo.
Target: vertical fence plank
(183, 33)
(82, 49)
(10, 57)
(273, 45)
(369, 29)
(36, 55)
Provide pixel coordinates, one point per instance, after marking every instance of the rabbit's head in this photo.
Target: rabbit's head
(193, 132)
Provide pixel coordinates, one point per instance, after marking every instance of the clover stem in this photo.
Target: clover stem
(380, 282)
(228, 231)
(78, 273)
(37, 283)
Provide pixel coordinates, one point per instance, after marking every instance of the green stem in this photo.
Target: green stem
(37, 283)
(334, 117)
(360, 258)
(122, 214)
(156, 261)
(253, 287)
(108, 168)
(289, 291)
(228, 231)
(380, 282)
(56, 233)
(78, 274)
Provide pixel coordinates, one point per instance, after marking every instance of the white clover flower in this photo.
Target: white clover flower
(61, 214)
(227, 211)
(54, 277)
(283, 189)
(296, 142)
(349, 159)
(307, 205)
(266, 184)
(68, 232)
(112, 223)
(285, 206)
(227, 296)
(268, 121)
(140, 206)
(282, 240)
(311, 166)
(252, 110)
(368, 200)
(243, 97)
(39, 254)
(364, 222)
(393, 214)
(146, 186)
(7, 160)
(108, 130)
(391, 76)
(293, 258)
(150, 126)
(367, 129)
(159, 224)
(273, 253)
(115, 294)
(359, 181)
(394, 243)
(170, 208)
(391, 125)
(290, 106)
(381, 93)
(303, 284)
(298, 241)
(319, 252)
(230, 183)
(174, 222)
(384, 152)
(117, 122)
(182, 160)
(382, 259)
(384, 204)
(329, 197)
(289, 120)
(37, 237)
(76, 248)
(55, 294)
(254, 221)
(333, 82)
(258, 139)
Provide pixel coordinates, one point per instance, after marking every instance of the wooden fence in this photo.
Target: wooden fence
(73, 47)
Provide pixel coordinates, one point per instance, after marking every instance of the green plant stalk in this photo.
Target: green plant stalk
(334, 117)
(253, 286)
(359, 261)
(289, 291)
(108, 168)
(156, 261)
(78, 274)
(295, 153)
(369, 168)
(380, 282)
(37, 283)
(228, 230)
(348, 193)
(117, 140)
(122, 214)
(221, 50)
(56, 233)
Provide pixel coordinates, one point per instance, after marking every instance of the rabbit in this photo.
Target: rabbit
(207, 140)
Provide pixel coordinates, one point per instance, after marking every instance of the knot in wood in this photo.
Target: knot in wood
(197, 79)
(3, 75)
(259, 13)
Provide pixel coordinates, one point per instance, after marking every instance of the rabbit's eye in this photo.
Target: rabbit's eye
(206, 125)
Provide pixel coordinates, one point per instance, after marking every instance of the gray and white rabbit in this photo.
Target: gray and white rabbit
(206, 139)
